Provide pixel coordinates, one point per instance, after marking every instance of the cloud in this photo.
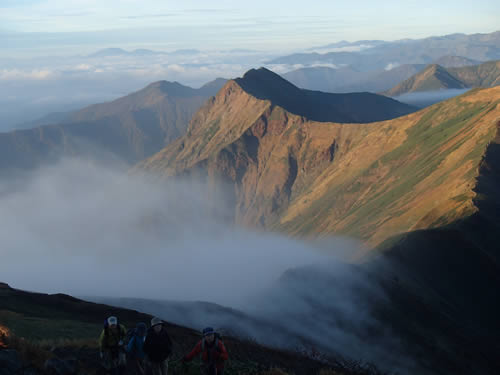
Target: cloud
(138, 236)
(17, 74)
(392, 65)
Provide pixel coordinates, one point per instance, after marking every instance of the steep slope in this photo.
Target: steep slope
(370, 181)
(129, 129)
(436, 77)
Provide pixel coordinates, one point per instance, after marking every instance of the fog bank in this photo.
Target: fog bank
(89, 230)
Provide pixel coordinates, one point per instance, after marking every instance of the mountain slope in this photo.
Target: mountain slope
(129, 129)
(370, 181)
(436, 77)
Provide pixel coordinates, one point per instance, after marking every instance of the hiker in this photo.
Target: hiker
(135, 349)
(213, 353)
(158, 347)
(112, 351)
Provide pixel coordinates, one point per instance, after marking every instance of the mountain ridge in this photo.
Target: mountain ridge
(319, 106)
(317, 163)
(128, 129)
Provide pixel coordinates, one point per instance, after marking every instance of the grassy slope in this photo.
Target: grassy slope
(64, 320)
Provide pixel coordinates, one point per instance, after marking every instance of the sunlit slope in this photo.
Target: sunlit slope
(370, 181)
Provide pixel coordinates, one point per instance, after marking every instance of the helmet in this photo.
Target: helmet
(208, 331)
(155, 321)
(112, 321)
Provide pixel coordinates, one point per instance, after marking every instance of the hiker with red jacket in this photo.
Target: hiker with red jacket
(213, 353)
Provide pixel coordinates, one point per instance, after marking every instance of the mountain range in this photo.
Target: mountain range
(348, 79)
(293, 173)
(477, 47)
(421, 192)
(418, 188)
(138, 125)
(130, 128)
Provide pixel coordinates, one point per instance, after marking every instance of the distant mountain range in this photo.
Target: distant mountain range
(477, 47)
(130, 128)
(436, 77)
(347, 79)
(344, 80)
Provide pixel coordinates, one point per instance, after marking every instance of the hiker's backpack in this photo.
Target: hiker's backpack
(218, 338)
(130, 335)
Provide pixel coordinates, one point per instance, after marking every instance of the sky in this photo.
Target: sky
(46, 46)
(84, 25)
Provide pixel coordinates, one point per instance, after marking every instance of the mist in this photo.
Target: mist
(427, 98)
(31, 88)
(163, 246)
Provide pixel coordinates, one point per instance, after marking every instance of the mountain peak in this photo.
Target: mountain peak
(170, 88)
(264, 84)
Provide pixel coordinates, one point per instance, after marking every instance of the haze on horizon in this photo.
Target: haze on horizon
(47, 46)
(30, 27)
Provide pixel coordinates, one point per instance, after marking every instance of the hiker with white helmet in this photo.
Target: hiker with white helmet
(111, 345)
(158, 347)
(213, 353)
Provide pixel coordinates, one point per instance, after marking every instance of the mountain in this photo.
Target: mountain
(304, 177)
(318, 106)
(344, 80)
(482, 47)
(435, 77)
(130, 128)
(421, 191)
(432, 78)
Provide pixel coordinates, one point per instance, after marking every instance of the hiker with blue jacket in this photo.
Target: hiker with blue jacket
(135, 350)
